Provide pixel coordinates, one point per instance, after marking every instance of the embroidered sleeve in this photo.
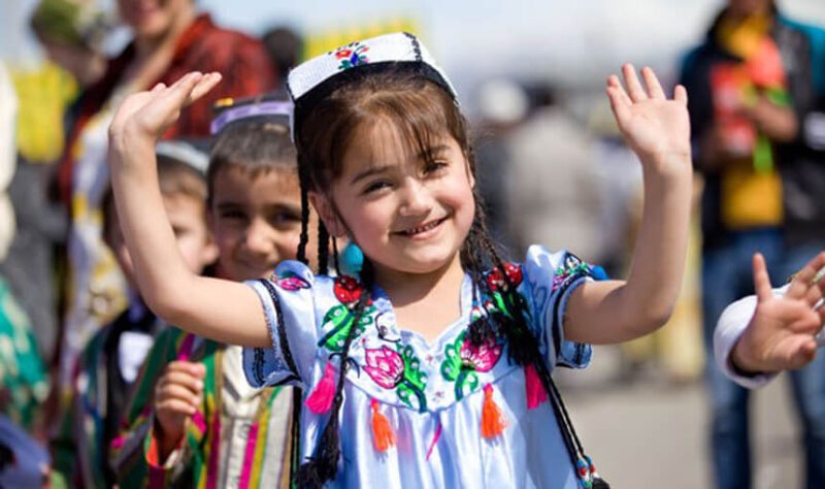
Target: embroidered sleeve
(288, 304)
(550, 279)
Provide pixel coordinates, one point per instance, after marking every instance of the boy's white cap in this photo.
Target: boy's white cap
(390, 49)
(185, 153)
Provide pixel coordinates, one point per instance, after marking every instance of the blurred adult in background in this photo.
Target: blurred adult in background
(170, 38)
(551, 148)
(757, 87)
(285, 48)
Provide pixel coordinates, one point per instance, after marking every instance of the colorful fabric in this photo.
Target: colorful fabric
(23, 381)
(433, 395)
(96, 288)
(78, 446)
(235, 430)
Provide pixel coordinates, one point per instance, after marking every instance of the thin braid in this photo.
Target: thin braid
(323, 466)
(303, 182)
(323, 248)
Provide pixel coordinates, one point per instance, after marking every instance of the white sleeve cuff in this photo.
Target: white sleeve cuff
(730, 327)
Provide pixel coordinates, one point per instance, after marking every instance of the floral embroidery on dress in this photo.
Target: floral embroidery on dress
(399, 370)
(339, 320)
(292, 283)
(463, 360)
(352, 55)
(571, 267)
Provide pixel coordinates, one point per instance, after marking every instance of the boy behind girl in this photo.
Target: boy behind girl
(194, 420)
(107, 369)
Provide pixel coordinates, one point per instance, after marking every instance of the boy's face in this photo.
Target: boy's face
(186, 215)
(255, 221)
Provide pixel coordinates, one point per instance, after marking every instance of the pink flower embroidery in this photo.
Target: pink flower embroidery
(385, 367)
(480, 358)
(293, 284)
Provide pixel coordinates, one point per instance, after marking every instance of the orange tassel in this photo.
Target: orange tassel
(492, 420)
(382, 433)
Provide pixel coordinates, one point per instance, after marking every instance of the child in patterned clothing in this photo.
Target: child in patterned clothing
(106, 370)
(195, 421)
(430, 368)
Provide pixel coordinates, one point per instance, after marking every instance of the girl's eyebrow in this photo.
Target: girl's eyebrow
(373, 170)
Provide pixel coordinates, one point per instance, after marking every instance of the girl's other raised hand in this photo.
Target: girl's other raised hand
(144, 116)
(656, 128)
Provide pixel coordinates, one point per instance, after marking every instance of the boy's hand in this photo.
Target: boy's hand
(146, 115)
(655, 128)
(781, 334)
(177, 396)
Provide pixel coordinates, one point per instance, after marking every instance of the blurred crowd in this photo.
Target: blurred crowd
(548, 175)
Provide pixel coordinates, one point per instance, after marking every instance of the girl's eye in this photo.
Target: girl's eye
(375, 186)
(434, 167)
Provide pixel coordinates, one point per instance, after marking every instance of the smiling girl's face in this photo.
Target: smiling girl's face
(408, 209)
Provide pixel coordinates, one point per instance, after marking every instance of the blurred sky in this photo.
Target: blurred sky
(572, 42)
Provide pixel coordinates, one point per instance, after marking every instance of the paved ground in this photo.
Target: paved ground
(649, 434)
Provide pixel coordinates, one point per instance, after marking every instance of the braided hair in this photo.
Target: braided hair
(422, 111)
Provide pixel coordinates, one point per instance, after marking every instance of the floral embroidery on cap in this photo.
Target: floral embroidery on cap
(352, 55)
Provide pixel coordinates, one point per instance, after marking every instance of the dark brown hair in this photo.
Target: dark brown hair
(252, 145)
(422, 111)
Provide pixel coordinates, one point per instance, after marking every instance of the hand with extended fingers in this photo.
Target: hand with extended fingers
(656, 128)
(781, 334)
(144, 116)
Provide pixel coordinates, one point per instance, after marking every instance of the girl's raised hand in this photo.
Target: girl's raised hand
(782, 333)
(656, 128)
(144, 116)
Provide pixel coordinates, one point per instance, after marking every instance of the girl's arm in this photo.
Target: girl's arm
(226, 311)
(658, 131)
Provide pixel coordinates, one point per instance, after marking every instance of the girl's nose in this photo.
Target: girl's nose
(416, 198)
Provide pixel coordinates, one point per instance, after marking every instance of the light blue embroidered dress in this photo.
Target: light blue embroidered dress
(432, 394)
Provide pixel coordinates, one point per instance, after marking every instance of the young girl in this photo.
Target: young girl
(195, 421)
(432, 367)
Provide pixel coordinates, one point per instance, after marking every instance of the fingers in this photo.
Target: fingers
(761, 280)
(634, 87)
(804, 354)
(803, 280)
(680, 94)
(619, 101)
(654, 88)
(204, 85)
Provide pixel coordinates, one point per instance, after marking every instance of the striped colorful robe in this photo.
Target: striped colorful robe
(227, 440)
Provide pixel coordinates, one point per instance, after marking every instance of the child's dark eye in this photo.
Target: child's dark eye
(284, 219)
(434, 167)
(375, 186)
(234, 215)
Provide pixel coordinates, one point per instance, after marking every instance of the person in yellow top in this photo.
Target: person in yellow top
(757, 86)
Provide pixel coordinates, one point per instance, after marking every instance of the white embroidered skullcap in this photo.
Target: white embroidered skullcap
(184, 152)
(312, 80)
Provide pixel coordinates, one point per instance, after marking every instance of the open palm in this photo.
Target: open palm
(781, 333)
(652, 124)
(146, 115)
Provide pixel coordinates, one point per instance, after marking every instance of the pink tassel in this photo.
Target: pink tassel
(320, 400)
(536, 394)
